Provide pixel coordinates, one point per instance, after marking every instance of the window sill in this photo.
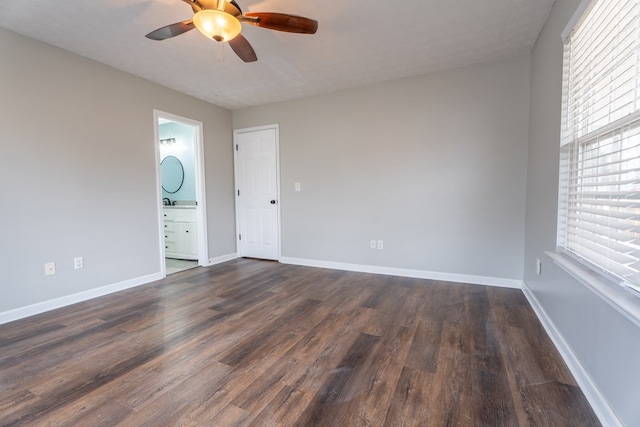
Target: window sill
(625, 300)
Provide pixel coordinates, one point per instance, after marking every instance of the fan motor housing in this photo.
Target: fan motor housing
(229, 7)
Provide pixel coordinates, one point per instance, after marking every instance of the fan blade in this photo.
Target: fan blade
(171, 30)
(243, 49)
(282, 22)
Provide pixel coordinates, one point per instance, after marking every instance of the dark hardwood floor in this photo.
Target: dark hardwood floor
(257, 343)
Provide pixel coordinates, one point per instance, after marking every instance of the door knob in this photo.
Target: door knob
(273, 202)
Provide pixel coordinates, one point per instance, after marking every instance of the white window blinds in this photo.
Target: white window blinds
(599, 200)
(601, 68)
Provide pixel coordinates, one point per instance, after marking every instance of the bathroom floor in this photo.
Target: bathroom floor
(176, 265)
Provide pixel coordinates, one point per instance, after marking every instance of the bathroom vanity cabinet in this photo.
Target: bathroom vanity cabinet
(180, 238)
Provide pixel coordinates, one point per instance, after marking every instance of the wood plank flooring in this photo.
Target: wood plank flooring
(257, 343)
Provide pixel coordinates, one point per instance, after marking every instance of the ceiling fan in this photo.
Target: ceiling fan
(220, 20)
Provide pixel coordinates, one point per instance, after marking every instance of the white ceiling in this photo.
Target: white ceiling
(358, 42)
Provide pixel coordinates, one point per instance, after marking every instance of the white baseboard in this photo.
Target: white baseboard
(221, 259)
(417, 274)
(41, 307)
(596, 399)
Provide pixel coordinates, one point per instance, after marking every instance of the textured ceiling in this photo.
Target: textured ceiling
(358, 42)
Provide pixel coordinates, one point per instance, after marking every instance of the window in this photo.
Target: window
(599, 198)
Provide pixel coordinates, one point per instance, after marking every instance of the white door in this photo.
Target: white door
(256, 161)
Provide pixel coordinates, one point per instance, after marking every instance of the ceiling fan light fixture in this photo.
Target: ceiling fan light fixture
(217, 24)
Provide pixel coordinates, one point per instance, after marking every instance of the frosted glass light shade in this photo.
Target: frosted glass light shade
(217, 25)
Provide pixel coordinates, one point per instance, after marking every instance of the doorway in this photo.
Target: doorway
(181, 201)
(257, 192)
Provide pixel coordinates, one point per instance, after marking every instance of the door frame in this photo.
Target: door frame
(236, 132)
(201, 207)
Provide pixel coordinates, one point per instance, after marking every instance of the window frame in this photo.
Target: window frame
(623, 296)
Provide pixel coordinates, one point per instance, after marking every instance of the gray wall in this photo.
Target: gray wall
(78, 175)
(605, 342)
(434, 165)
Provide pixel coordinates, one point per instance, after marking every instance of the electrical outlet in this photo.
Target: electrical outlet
(50, 269)
(297, 186)
(538, 266)
(372, 244)
(380, 244)
(78, 263)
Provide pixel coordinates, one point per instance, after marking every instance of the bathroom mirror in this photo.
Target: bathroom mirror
(172, 174)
